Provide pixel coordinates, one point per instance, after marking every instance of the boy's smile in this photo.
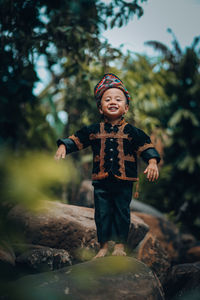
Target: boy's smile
(113, 104)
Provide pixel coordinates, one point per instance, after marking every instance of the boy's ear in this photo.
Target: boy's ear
(126, 108)
(100, 110)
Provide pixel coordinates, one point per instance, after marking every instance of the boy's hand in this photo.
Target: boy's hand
(152, 170)
(61, 152)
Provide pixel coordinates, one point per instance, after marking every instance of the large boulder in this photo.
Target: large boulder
(67, 227)
(154, 256)
(105, 278)
(166, 233)
(184, 282)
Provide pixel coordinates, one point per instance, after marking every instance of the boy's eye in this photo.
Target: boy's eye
(118, 99)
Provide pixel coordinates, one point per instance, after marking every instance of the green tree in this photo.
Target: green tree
(60, 30)
(178, 189)
(145, 79)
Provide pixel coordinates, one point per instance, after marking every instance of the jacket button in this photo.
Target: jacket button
(111, 159)
(111, 150)
(111, 140)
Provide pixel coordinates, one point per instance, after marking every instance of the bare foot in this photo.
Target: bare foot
(119, 250)
(103, 251)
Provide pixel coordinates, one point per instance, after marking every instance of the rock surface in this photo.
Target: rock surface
(7, 254)
(166, 233)
(105, 278)
(184, 282)
(154, 256)
(42, 259)
(138, 230)
(68, 227)
(193, 254)
(7, 261)
(142, 207)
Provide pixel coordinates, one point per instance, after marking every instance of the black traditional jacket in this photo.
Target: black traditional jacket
(115, 148)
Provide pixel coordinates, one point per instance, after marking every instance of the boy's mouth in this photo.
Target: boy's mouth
(113, 108)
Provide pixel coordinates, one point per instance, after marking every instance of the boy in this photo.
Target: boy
(116, 145)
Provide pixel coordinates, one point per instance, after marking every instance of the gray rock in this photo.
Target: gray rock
(166, 233)
(138, 230)
(193, 254)
(7, 261)
(42, 259)
(184, 282)
(155, 257)
(69, 227)
(145, 208)
(56, 225)
(7, 254)
(105, 278)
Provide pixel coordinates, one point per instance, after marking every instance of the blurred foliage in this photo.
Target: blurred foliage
(30, 179)
(145, 79)
(178, 188)
(61, 31)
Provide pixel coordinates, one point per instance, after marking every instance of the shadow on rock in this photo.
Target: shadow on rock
(105, 278)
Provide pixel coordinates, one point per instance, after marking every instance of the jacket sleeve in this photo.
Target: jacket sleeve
(145, 148)
(77, 141)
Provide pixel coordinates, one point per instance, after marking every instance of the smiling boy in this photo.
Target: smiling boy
(116, 146)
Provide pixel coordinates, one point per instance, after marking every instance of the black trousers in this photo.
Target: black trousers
(112, 199)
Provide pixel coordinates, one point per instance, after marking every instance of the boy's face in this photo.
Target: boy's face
(113, 104)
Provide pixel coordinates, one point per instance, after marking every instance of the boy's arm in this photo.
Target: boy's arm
(152, 170)
(149, 154)
(73, 143)
(65, 146)
(61, 152)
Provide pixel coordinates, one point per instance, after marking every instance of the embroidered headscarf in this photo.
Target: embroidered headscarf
(108, 81)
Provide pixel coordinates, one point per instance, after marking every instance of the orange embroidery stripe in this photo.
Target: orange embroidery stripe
(99, 176)
(129, 158)
(121, 158)
(102, 151)
(127, 178)
(144, 147)
(121, 152)
(76, 141)
(104, 175)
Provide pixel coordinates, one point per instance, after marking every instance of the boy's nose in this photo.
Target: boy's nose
(113, 100)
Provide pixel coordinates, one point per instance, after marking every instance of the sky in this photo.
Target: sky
(182, 16)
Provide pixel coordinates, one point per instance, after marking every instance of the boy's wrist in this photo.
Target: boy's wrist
(62, 145)
(152, 161)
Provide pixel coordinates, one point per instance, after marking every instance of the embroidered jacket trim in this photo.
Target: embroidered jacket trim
(115, 149)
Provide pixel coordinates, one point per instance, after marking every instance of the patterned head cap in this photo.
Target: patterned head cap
(108, 81)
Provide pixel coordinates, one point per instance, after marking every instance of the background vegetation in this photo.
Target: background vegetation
(165, 91)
